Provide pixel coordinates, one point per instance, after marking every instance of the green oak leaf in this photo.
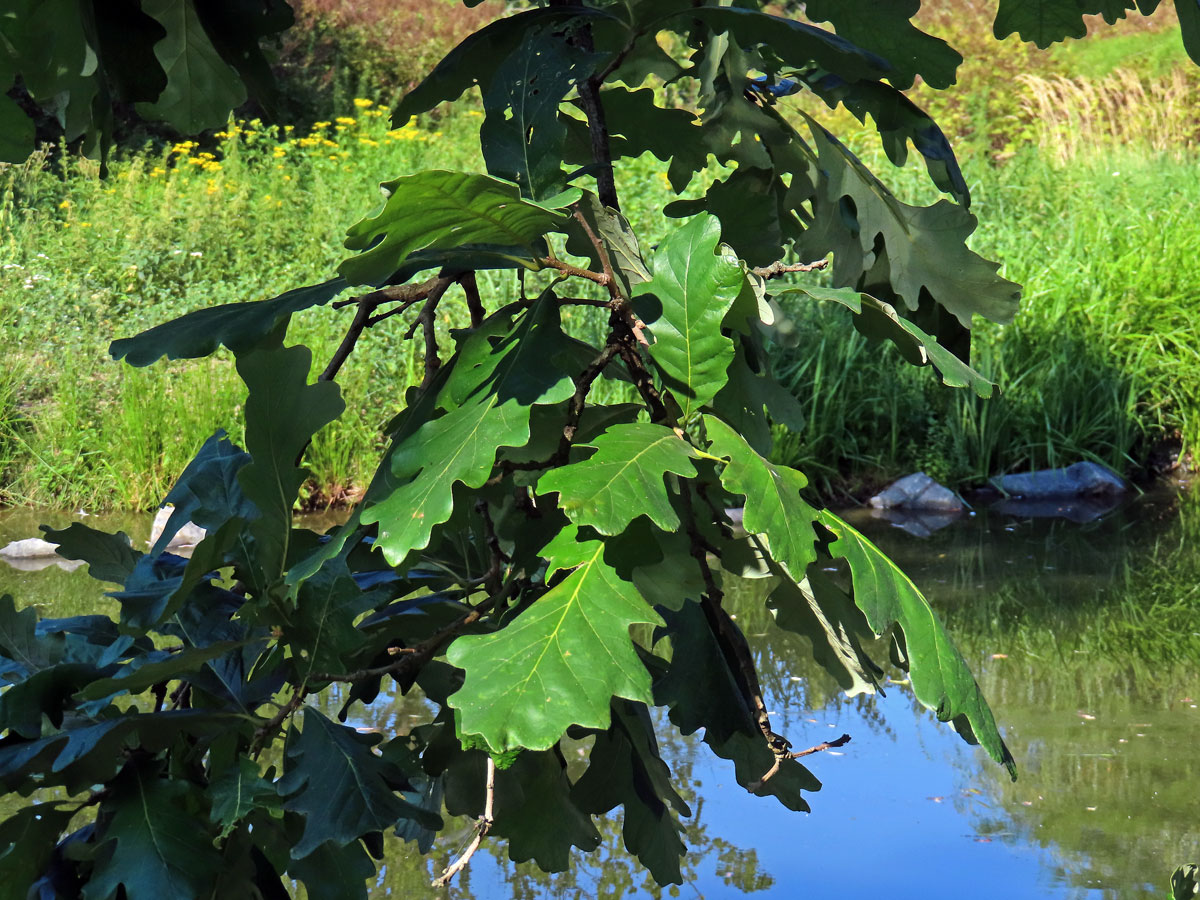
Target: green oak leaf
(476, 59)
(323, 625)
(521, 135)
(29, 836)
(885, 29)
(239, 326)
(457, 210)
(1046, 21)
(625, 769)
(341, 788)
(878, 320)
(155, 844)
(110, 557)
(752, 758)
(924, 247)
(618, 238)
(16, 130)
(698, 685)
(208, 492)
(695, 283)
(1189, 26)
(283, 412)
(22, 651)
(623, 479)
(490, 393)
(940, 677)
(536, 815)
(774, 509)
(675, 578)
(201, 87)
(159, 666)
(238, 790)
(333, 872)
(560, 661)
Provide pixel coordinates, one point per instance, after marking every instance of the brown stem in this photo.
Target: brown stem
(498, 557)
(267, 730)
(775, 269)
(756, 786)
(474, 303)
(482, 827)
(566, 268)
(427, 320)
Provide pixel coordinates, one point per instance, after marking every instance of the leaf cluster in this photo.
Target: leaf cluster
(540, 565)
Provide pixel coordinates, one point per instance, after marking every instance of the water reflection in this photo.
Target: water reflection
(1085, 639)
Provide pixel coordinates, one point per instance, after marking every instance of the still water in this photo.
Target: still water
(1086, 640)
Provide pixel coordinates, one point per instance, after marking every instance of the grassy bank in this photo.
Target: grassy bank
(1102, 362)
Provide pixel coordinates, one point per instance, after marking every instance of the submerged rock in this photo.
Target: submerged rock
(917, 491)
(1083, 479)
(918, 522)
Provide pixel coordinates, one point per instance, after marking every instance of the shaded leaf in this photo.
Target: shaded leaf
(22, 651)
(29, 837)
(940, 677)
(923, 247)
(625, 769)
(236, 792)
(208, 492)
(560, 661)
(147, 670)
(342, 788)
(535, 812)
(323, 625)
(1046, 21)
(110, 557)
(239, 326)
(283, 412)
(154, 845)
(878, 320)
(623, 479)
(752, 759)
(885, 29)
(618, 238)
(333, 872)
(457, 210)
(695, 283)
(201, 87)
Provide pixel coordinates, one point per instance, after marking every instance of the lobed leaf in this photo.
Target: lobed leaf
(695, 283)
(560, 661)
(623, 479)
(940, 677)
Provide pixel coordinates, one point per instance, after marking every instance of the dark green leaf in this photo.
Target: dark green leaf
(940, 677)
(147, 670)
(615, 233)
(110, 557)
(924, 247)
(535, 813)
(237, 791)
(560, 661)
(1189, 26)
(695, 282)
(16, 129)
(154, 844)
(342, 788)
(283, 412)
(457, 210)
(1045, 21)
(239, 326)
(323, 625)
(624, 768)
(201, 87)
(334, 872)
(22, 651)
(208, 493)
(623, 479)
(878, 320)
(752, 759)
(521, 135)
(885, 29)
(29, 837)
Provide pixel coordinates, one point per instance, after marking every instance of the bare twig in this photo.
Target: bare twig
(775, 269)
(482, 827)
(756, 786)
(566, 268)
(427, 320)
(498, 557)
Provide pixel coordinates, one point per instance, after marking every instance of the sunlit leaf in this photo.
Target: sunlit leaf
(623, 479)
(940, 677)
(560, 661)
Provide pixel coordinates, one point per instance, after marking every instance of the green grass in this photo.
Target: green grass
(1102, 360)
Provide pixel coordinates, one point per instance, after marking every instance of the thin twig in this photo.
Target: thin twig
(427, 320)
(498, 557)
(775, 269)
(566, 268)
(755, 786)
(482, 827)
(267, 730)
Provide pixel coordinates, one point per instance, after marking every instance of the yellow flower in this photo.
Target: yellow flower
(279, 152)
(318, 126)
(66, 204)
(368, 142)
(266, 196)
(156, 171)
(85, 224)
(474, 112)
(363, 102)
(328, 143)
(345, 120)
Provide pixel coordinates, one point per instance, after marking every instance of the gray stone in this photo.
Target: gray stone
(918, 522)
(917, 491)
(30, 548)
(1083, 479)
(188, 536)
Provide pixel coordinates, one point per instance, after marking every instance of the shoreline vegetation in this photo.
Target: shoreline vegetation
(1082, 185)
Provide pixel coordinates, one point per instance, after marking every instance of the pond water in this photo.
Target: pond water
(1086, 640)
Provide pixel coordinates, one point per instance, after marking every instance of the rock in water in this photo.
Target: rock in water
(1083, 479)
(30, 548)
(188, 536)
(917, 491)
